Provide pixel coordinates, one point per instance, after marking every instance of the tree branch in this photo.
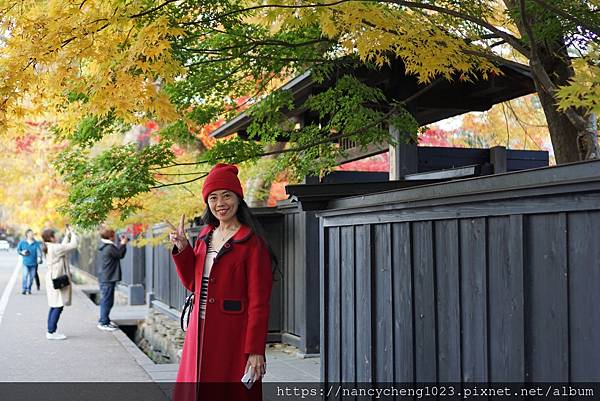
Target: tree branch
(150, 11)
(179, 174)
(188, 190)
(522, 125)
(67, 41)
(179, 183)
(123, 203)
(543, 78)
(489, 36)
(512, 40)
(515, 42)
(582, 23)
(248, 57)
(520, 120)
(221, 59)
(257, 43)
(228, 75)
(178, 164)
(260, 89)
(283, 6)
(498, 43)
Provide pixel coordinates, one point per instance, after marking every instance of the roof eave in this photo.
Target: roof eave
(242, 120)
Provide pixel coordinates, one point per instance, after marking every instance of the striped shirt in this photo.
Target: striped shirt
(211, 253)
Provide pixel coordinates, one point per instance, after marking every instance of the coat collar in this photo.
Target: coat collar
(243, 234)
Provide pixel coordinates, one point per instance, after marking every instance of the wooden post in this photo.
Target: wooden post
(403, 157)
(310, 340)
(311, 179)
(498, 159)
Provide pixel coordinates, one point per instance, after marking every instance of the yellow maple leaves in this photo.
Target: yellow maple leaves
(584, 89)
(377, 31)
(92, 51)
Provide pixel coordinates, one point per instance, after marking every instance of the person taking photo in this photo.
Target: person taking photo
(109, 273)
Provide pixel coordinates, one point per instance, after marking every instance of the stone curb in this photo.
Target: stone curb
(157, 372)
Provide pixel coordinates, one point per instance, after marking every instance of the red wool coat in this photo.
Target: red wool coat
(237, 308)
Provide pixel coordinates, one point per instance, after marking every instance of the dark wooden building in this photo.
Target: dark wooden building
(492, 278)
(429, 103)
(410, 166)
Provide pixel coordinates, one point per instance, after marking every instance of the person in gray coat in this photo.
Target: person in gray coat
(108, 265)
(58, 265)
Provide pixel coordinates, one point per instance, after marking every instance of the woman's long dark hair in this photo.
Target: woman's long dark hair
(47, 236)
(245, 216)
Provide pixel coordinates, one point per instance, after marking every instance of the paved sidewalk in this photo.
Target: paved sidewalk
(87, 355)
(91, 355)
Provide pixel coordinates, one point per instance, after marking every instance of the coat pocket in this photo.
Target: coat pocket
(233, 306)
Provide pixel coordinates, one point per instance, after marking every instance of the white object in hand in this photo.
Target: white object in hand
(248, 378)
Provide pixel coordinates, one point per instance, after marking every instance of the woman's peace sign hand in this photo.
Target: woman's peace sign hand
(177, 235)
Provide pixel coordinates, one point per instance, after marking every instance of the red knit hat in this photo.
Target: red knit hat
(222, 176)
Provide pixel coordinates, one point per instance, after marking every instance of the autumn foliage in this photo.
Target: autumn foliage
(96, 69)
(31, 191)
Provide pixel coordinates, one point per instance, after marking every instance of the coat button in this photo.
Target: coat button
(227, 245)
(211, 300)
(212, 280)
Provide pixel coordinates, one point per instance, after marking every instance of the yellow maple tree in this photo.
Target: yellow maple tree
(92, 50)
(31, 191)
(103, 65)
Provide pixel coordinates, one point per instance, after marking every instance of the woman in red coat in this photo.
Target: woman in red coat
(229, 271)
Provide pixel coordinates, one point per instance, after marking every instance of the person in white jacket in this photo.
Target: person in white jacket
(58, 265)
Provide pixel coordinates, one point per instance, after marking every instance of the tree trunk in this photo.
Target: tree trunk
(562, 132)
(570, 143)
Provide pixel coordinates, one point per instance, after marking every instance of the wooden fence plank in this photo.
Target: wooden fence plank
(348, 329)
(424, 303)
(448, 300)
(530, 200)
(546, 298)
(364, 351)
(403, 303)
(311, 338)
(382, 297)
(289, 274)
(584, 291)
(473, 300)
(334, 300)
(299, 275)
(505, 299)
(324, 300)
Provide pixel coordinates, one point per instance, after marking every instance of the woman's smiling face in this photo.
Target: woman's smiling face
(223, 204)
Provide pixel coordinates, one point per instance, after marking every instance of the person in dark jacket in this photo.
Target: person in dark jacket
(109, 272)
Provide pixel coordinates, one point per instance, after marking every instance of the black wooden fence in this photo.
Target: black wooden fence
(85, 255)
(485, 279)
(300, 278)
(132, 265)
(162, 281)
